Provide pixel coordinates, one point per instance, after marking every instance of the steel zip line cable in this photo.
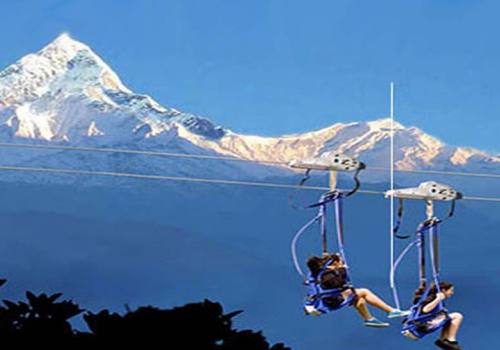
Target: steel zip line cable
(439, 172)
(136, 152)
(168, 178)
(226, 158)
(196, 180)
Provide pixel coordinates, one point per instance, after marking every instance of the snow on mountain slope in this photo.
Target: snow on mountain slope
(369, 141)
(66, 94)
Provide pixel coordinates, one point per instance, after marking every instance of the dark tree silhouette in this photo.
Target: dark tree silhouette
(248, 340)
(203, 326)
(194, 326)
(41, 319)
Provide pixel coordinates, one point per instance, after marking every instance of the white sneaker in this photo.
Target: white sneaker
(311, 310)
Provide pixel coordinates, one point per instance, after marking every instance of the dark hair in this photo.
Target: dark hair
(443, 285)
(316, 263)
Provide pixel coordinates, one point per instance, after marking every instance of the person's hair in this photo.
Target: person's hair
(443, 286)
(316, 263)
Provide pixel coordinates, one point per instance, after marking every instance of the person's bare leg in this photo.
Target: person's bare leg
(453, 326)
(363, 309)
(360, 306)
(372, 299)
(445, 332)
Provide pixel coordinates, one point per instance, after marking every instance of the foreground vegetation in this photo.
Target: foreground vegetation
(44, 320)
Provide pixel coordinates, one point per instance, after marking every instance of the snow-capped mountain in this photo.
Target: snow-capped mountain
(369, 141)
(66, 94)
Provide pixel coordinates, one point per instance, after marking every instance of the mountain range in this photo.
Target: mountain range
(65, 94)
(109, 246)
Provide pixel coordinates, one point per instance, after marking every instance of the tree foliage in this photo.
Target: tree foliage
(44, 320)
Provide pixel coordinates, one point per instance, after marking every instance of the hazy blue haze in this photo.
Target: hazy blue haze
(153, 244)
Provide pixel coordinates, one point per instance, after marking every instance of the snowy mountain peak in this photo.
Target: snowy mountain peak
(65, 91)
(77, 59)
(384, 124)
(64, 42)
(64, 65)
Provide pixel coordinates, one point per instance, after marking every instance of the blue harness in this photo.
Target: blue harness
(320, 300)
(419, 324)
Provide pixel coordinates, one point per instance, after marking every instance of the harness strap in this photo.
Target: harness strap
(451, 212)
(357, 182)
(431, 226)
(434, 251)
(339, 223)
(296, 239)
(395, 267)
(326, 198)
(291, 197)
(399, 220)
(306, 177)
(316, 292)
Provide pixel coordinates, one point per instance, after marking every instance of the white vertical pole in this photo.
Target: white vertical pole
(392, 277)
(392, 177)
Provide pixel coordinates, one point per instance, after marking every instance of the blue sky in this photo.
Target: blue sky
(272, 67)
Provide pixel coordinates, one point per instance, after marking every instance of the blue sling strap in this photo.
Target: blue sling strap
(419, 324)
(319, 300)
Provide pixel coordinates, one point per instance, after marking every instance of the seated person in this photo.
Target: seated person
(335, 277)
(448, 338)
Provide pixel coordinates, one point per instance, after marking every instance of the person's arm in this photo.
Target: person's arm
(430, 306)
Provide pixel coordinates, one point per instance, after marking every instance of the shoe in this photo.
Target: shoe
(452, 345)
(398, 313)
(311, 310)
(447, 345)
(410, 335)
(440, 344)
(375, 323)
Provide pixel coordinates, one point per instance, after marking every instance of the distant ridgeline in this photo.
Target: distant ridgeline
(43, 320)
